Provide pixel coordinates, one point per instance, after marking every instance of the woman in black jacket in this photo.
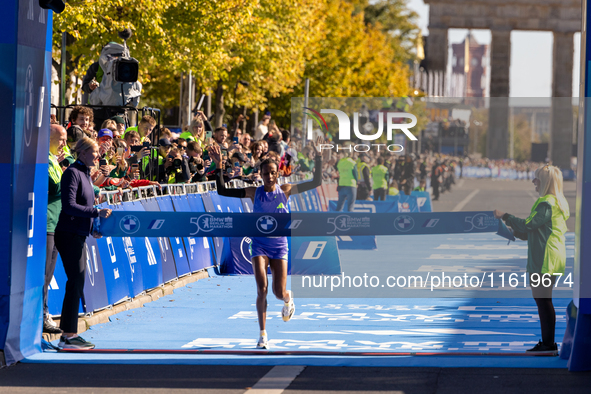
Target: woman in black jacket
(74, 225)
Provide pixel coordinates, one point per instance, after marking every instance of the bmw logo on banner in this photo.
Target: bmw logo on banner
(404, 223)
(266, 224)
(129, 224)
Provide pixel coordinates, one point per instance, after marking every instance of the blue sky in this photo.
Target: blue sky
(531, 56)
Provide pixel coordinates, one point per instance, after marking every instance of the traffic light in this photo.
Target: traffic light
(54, 5)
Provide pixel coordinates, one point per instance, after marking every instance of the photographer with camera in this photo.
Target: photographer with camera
(175, 168)
(197, 163)
(171, 166)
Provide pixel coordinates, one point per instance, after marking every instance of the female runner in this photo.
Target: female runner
(269, 251)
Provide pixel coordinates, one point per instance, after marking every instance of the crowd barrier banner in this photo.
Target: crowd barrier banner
(502, 173)
(357, 242)
(423, 201)
(298, 224)
(172, 251)
(95, 287)
(399, 203)
(57, 289)
(221, 251)
(196, 249)
(134, 277)
(25, 85)
(116, 270)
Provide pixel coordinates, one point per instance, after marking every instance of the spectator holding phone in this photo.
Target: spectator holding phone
(74, 225)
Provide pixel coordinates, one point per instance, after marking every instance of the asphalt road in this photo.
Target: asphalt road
(515, 197)
(467, 195)
(148, 379)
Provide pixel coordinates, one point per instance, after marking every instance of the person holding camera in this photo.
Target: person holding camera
(172, 167)
(74, 225)
(197, 164)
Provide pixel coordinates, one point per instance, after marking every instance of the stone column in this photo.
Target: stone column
(498, 121)
(562, 110)
(436, 50)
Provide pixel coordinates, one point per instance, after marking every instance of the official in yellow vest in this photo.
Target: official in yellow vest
(379, 175)
(544, 229)
(347, 187)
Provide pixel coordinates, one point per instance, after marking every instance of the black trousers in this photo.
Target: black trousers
(435, 189)
(379, 194)
(50, 259)
(71, 248)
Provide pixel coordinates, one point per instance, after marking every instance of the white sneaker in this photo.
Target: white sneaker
(289, 308)
(51, 322)
(263, 342)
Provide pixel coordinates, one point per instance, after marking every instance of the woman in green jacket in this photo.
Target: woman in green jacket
(544, 230)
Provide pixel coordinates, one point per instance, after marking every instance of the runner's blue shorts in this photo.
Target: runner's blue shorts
(273, 252)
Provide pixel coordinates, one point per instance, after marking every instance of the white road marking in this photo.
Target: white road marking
(465, 201)
(276, 380)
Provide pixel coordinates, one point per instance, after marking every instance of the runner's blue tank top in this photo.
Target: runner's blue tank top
(272, 202)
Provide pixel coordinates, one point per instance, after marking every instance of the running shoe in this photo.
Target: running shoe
(289, 308)
(75, 343)
(540, 347)
(263, 342)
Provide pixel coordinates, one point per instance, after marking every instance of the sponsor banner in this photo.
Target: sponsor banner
(284, 224)
(400, 203)
(25, 49)
(358, 242)
(197, 249)
(314, 256)
(423, 201)
(172, 250)
(95, 287)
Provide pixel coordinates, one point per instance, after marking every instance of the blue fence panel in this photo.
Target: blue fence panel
(174, 257)
(212, 203)
(197, 249)
(95, 288)
(423, 201)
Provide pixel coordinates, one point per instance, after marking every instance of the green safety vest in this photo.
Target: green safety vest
(54, 197)
(378, 174)
(419, 189)
(187, 136)
(345, 167)
(545, 228)
(135, 128)
(392, 191)
(360, 166)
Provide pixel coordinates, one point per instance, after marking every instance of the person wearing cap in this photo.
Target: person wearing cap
(120, 125)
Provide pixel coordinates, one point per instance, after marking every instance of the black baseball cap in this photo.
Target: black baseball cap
(164, 142)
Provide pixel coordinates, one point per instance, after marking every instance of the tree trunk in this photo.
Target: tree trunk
(219, 105)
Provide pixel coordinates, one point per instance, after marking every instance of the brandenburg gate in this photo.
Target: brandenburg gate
(561, 17)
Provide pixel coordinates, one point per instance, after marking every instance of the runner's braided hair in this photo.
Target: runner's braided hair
(269, 161)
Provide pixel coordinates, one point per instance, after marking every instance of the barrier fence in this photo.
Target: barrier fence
(125, 266)
(502, 173)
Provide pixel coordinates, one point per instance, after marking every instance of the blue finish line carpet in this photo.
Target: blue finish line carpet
(219, 313)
